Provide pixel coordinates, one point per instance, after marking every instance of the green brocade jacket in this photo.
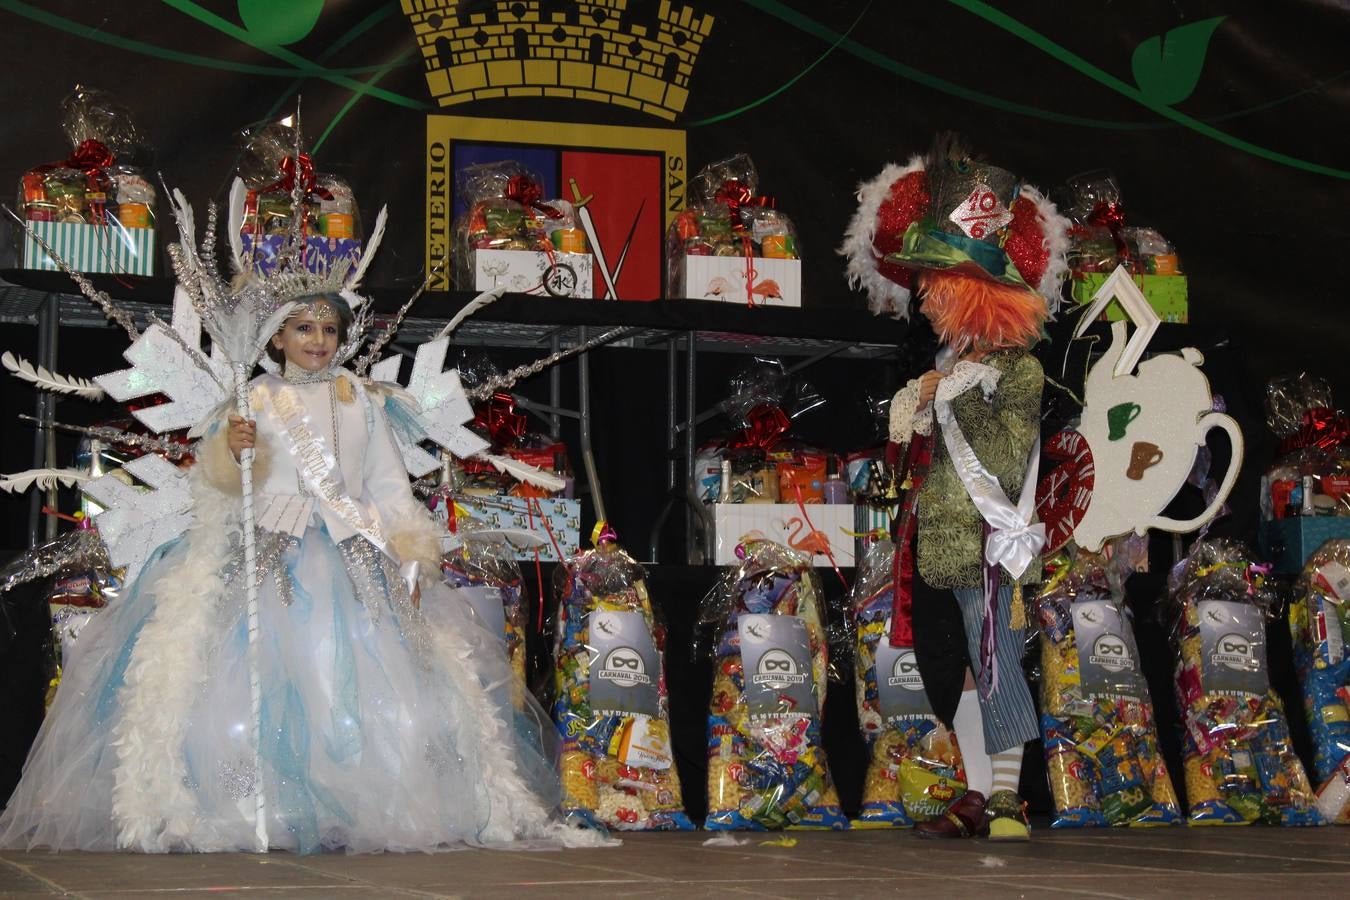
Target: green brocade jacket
(1001, 430)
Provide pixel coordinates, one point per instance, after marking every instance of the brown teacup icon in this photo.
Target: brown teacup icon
(1143, 456)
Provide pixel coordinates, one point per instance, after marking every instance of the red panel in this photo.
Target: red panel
(624, 189)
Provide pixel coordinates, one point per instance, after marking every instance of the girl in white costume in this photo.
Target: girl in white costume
(384, 726)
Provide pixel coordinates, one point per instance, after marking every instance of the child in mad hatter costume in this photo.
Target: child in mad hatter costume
(986, 255)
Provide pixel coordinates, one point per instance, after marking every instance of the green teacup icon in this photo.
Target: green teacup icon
(1119, 417)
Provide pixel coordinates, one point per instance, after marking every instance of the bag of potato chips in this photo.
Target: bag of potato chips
(766, 763)
(1240, 763)
(617, 766)
(914, 770)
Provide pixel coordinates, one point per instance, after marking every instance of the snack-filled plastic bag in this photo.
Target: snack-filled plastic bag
(1100, 238)
(914, 770)
(609, 670)
(482, 571)
(726, 217)
(1097, 725)
(766, 762)
(1319, 620)
(96, 207)
(273, 173)
(1240, 763)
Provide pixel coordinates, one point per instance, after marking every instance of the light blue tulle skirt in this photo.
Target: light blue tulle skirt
(372, 721)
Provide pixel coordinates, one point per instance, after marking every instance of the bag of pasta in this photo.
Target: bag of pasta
(766, 762)
(1240, 762)
(914, 770)
(1320, 623)
(1097, 725)
(483, 572)
(617, 765)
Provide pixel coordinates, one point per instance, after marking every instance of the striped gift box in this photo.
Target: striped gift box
(92, 248)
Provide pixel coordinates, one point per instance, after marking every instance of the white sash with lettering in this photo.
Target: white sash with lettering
(318, 465)
(1014, 540)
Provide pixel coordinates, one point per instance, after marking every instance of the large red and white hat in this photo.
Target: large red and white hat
(947, 214)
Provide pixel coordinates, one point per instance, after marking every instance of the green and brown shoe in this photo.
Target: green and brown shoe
(1007, 815)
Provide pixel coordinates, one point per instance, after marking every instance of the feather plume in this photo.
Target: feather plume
(368, 252)
(372, 353)
(473, 306)
(50, 381)
(865, 269)
(524, 472)
(238, 200)
(43, 479)
(966, 309)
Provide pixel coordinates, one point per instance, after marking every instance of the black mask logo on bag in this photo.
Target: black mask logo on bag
(905, 672)
(1111, 652)
(624, 667)
(777, 670)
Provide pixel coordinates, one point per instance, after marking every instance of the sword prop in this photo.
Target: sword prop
(588, 225)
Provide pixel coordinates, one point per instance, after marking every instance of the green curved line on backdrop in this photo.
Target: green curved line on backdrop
(1039, 41)
(356, 96)
(356, 31)
(866, 54)
(787, 84)
(881, 61)
(307, 68)
(124, 43)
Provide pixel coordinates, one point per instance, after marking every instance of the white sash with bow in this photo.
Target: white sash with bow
(1014, 540)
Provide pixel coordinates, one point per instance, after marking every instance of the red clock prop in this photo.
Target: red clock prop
(1065, 490)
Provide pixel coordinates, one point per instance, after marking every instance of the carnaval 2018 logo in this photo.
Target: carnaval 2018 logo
(624, 666)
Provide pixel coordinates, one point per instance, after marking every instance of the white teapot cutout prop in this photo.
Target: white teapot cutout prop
(1144, 428)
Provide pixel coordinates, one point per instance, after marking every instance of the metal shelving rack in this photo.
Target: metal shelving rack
(684, 329)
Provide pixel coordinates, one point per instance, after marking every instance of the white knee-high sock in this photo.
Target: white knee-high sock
(1007, 766)
(969, 728)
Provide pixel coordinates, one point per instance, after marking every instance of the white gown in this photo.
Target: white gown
(382, 727)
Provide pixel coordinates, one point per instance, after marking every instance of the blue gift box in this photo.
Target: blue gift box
(1289, 542)
(320, 252)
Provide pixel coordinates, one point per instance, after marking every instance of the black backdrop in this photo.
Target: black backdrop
(1236, 151)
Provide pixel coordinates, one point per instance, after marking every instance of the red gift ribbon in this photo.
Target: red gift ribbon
(1322, 428)
(765, 426)
(735, 195)
(289, 171)
(498, 419)
(1112, 217)
(526, 191)
(91, 157)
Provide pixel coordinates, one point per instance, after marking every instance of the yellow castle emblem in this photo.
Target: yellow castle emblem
(641, 58)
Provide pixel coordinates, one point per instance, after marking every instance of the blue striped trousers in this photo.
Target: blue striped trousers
(1009, 714)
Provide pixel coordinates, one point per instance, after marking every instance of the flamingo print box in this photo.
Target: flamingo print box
(823, 525)
(736, 279)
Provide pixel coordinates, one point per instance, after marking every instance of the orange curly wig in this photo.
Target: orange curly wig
(967, 310)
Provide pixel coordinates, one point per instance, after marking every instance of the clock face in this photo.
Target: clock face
(1065, 488)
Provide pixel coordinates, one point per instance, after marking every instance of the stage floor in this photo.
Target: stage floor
(1214, 862)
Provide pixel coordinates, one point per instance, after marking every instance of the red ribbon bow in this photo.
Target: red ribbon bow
(289, 172)
(765, 426)
(498, 419)
(1322, 428)
(735, 195)
(1112, 217)
(526, 191)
